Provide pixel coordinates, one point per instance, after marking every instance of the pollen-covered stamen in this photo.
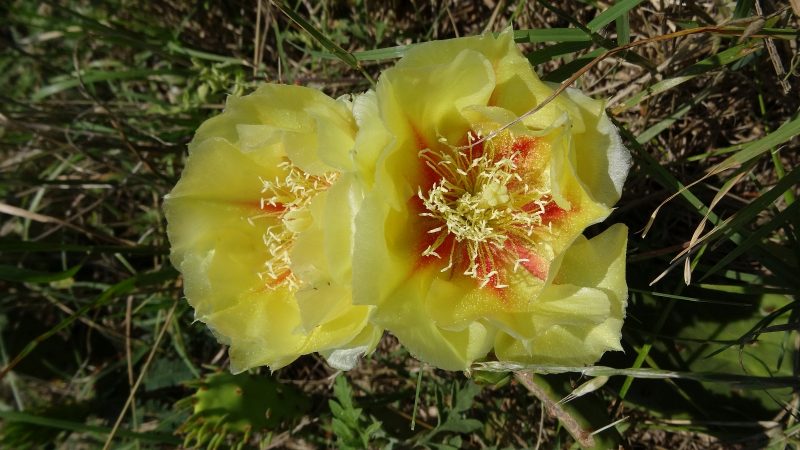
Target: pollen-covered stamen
(481, 202)
(287, 199)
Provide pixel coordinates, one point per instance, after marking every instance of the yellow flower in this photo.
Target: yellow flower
(464, 245)
(261, 227)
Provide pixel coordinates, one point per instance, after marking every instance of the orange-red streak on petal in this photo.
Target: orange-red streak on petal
(552, 212)
(276, 208)
(532, 262)
(523, 145)
(428, 175)
(487, 266)
(277, 281)
(264, 206)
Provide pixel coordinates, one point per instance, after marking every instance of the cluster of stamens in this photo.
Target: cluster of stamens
(285, 199)
(481, 202)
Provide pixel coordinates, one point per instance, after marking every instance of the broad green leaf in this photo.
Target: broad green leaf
(461, 425)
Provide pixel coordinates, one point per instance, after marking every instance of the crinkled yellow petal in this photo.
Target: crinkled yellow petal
(516, 88)
(221, 172)
(261, 329)
(213, 244)
(372, 137)
(466, 80)
(346, 357)
(602, 162)
(406, 315)
(383, 249)
(321, 257)
(440, 278)
(315, 131)
(219, 218)
(579, 315)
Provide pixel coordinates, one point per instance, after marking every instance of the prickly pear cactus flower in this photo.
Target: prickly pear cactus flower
(466, 245)
(260, 225)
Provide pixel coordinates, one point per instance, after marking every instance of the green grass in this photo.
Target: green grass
(99, 100)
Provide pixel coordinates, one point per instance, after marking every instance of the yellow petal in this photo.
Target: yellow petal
(406, 315)
(314, 130)
(458, 242)
(601, 159)
(252, 208)
(579, 315)
(261, 329)
(421, 120)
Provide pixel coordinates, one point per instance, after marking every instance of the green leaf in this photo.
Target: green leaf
(552, 51)
(551, 35)
(677, 113)
(690, 299)
(320, 37)
(336, 408)
(761, 233)
(566, 71)
(7, 245)
(121, 288)
(623, 29)
(786, 131)
(343, 393)
(382, 53)
(661, 175)
(738, 380)
(742, 9)
(96, 76)
(755, 207)
(23, 275)
(750, 359)
(621, 7)
(465, 397)
(341, 429)
(158, 438)
(458, 425)
(711, 63)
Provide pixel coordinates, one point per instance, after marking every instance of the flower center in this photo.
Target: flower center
(287, 199)
(483, 202)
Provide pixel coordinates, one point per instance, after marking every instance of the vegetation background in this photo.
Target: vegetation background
(99, 98)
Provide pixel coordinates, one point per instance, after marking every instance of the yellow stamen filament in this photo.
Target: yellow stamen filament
(479, 200)
(289, 197)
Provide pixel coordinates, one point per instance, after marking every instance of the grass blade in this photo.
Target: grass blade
(786, 131)
(740, 381)
(116, 290)
(551, 35)
(611, 14)
(331, 46)
(23, 275)
(552, 51)
(146, 436)
(714, 62)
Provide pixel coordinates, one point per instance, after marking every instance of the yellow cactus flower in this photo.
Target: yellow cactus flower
(260, 225)
(465, 245)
